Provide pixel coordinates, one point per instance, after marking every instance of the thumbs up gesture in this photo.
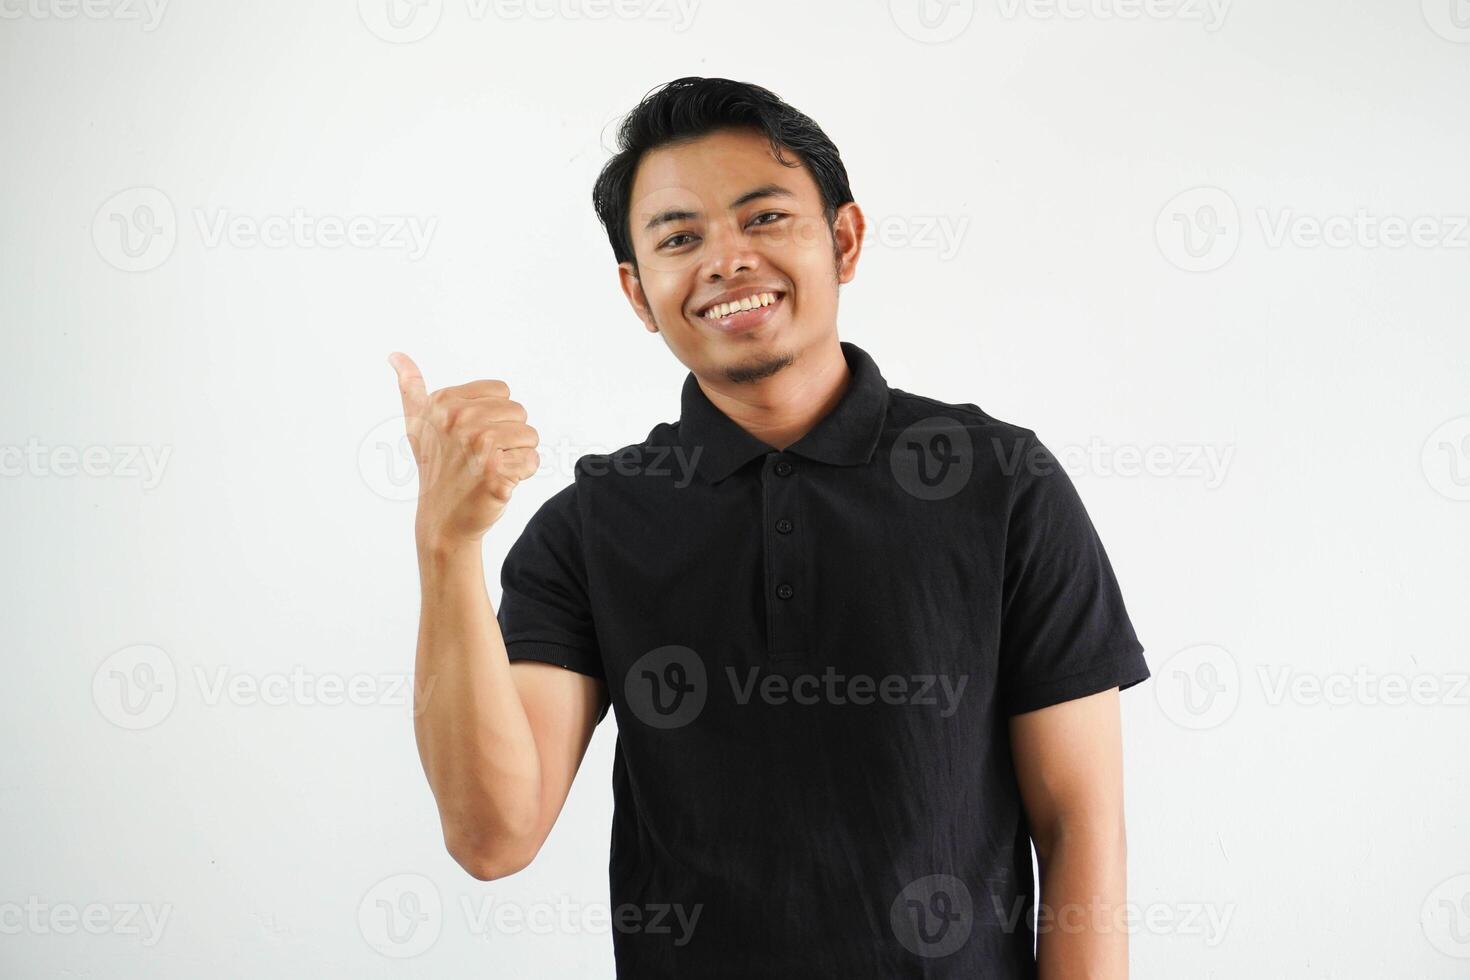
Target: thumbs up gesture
(472, 446)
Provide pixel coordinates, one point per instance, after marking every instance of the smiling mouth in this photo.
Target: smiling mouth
(750, 304)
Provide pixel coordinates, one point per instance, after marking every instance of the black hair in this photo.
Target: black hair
(688, 108)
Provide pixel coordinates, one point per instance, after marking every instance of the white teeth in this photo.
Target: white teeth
(749, 303)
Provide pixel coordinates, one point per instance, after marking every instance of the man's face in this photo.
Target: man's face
(722, 215)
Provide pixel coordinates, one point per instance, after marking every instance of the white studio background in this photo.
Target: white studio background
(1215, 253)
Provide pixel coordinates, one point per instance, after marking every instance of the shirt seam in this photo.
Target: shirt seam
(1118, 655)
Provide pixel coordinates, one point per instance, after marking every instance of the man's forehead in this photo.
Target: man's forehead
(720, 171)
(739, 148)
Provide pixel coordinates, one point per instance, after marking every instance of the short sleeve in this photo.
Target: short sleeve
(1065, 632)
(544, 612)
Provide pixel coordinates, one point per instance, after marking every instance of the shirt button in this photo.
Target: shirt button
(784, 526)
(785, 591)
(783, 468)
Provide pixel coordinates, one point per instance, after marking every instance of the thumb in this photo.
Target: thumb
(410, 384)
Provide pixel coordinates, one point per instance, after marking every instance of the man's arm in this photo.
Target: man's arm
(499, 745)
(1069, 764)
(500, 742)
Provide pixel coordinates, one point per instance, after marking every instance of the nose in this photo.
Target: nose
(727, 253)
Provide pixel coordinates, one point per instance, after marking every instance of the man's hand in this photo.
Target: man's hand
(472, 446)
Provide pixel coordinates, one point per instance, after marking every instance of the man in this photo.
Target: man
(863, 647)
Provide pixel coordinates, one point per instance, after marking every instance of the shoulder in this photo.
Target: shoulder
(997, 447)
(906, 408)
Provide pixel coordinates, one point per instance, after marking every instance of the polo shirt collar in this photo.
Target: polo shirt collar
(845, 436)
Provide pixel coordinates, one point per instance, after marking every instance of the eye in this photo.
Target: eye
(673, 240)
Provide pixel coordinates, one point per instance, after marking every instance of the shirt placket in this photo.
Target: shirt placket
(786, 554)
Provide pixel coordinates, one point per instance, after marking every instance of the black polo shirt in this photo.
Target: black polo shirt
(812, 655)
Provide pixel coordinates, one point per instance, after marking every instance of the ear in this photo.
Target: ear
(848, 226)
(632, 288)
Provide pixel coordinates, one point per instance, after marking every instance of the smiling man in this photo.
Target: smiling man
(863, 650)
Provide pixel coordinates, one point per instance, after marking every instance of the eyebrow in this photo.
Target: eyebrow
(765, 190)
